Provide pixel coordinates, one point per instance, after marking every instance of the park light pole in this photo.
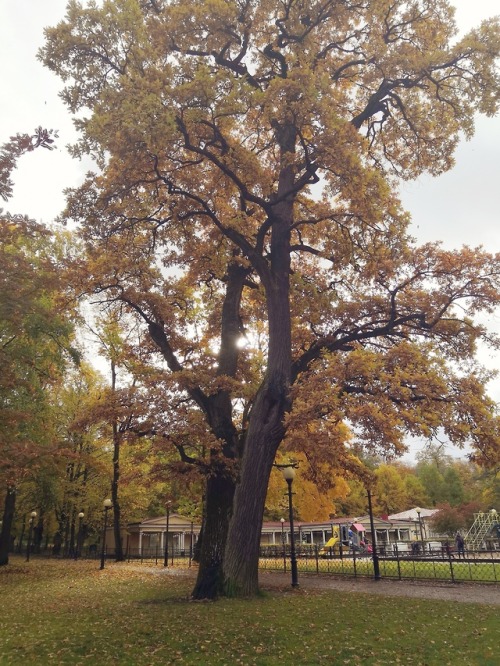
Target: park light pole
(282, 521)
(107, 504)
(418, 510)
(376, 565)
(30, 531)
(165, 561)
(191, 544)
(289, 475)
(79, 534)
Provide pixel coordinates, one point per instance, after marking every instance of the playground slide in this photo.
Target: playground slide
(330, 545)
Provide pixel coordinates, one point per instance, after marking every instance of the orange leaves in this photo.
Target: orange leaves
(272, 140)
(317, 486)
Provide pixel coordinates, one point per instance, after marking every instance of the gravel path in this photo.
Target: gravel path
(458, 592)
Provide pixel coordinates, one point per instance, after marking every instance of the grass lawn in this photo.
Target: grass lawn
(67, 612)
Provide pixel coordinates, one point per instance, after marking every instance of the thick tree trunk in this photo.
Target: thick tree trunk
(265, 433)
(218, 507)
(7, 520)
(241, 560)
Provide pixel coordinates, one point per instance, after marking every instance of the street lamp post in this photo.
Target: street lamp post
(418, 510)
(107, 504)
(289, 475)
(376, 565)
(30, 531)
(79, 534)
(165, 561)
(282, 521)
(191, 544)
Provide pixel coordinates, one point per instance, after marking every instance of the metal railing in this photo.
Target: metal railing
(179, 557)
(439, 564)
(394, 562)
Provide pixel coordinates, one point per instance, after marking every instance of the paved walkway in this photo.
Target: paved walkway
(476, 593)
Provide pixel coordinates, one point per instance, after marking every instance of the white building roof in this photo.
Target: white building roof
(412, 514)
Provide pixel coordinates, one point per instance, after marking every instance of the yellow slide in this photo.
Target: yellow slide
(331, 544)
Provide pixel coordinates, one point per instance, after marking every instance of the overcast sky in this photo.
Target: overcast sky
(460, 207)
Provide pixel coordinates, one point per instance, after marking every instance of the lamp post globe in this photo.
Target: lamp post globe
(289, 475)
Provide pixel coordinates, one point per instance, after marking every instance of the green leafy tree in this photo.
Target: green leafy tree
(35, 346)
(249, 153)
(490, 489)
(416, 494)
(454, 488)
(433, 481)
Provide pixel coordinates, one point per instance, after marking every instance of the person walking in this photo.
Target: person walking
(459, 540)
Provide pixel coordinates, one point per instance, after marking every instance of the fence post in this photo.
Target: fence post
(451, 567)
(398, 560)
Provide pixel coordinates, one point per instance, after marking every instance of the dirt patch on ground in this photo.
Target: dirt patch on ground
(475, 593)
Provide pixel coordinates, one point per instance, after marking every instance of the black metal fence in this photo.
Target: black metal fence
(154, 555)
(179, 557)
(389, 562)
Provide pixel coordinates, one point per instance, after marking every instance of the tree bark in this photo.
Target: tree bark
(7, 520)
(241, 560)
(218, 507)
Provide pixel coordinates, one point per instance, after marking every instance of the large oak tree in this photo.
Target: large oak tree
(249, 154)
